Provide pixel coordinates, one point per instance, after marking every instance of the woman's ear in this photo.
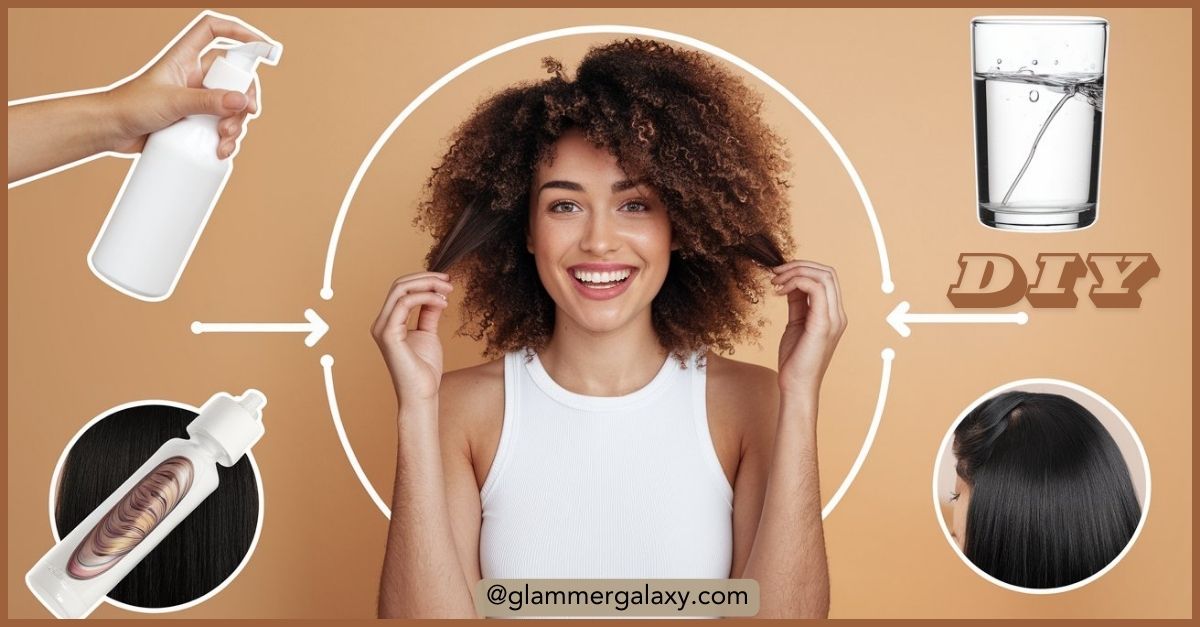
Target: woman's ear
(674, 244)
(529, 242)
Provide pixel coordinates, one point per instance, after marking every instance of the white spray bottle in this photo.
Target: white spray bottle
(73, 578)
(170, 191)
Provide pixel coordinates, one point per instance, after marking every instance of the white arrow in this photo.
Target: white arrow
(315, 327)
(900, 318)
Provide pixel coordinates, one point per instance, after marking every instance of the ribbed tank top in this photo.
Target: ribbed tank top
(605, 487)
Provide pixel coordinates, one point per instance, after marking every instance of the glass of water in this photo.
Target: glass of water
(1039, 103)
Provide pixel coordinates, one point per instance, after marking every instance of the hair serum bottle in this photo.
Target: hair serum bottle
(73, 578)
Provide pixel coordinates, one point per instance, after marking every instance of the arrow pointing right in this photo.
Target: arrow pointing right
(315, 327)
(900, 318)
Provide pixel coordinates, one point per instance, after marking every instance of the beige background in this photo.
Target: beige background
(892, 85)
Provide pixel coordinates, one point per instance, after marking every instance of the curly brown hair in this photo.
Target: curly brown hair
(675, 120)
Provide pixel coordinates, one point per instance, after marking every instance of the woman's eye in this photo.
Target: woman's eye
(635, 207)
(954, 496)
(564, 207)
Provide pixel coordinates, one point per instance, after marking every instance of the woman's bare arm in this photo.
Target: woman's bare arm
(434, 526)
(423, 575)
(787, 557)
(778, 480)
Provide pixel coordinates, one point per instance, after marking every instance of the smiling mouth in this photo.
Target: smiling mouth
(602, 280)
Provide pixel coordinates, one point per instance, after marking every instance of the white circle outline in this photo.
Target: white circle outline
(211, 593)
(937, 468)
(887, 285)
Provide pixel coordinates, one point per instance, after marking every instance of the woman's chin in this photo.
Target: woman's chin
(599, 319)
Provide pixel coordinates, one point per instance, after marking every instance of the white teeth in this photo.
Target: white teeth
(602, 277)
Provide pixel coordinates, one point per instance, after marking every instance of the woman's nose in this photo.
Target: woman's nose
(599, 236)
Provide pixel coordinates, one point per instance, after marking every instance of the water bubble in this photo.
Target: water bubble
(1033, 96)
(1056, 62)
(999, 61)
(1035, 61)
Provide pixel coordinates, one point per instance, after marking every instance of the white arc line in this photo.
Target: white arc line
(900, 318)
(885, 379)
(316, 328)
(884, 265)
(888, 356)
(327, 368)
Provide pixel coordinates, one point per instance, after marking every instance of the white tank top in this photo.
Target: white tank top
(605, 487)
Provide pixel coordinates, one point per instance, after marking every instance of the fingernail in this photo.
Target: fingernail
(235, 100)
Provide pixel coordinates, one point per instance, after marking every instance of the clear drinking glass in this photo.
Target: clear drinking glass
(1039, 102)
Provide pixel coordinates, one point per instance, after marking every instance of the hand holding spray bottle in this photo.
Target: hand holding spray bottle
(170, 191)
(73, 578)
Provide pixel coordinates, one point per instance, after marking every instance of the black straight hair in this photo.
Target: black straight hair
(1051, 501)
(203, 550)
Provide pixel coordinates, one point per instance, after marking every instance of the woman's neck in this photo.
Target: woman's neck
(612, 363)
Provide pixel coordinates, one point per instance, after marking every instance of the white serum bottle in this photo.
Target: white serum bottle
(72, 579)
(171, 190)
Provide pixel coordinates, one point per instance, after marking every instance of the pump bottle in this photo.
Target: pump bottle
(170, 191)
(73, 578)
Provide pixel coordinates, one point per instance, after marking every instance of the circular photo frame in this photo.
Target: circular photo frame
(1041, 486)
(111, 446)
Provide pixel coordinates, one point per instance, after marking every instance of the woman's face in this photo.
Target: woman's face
(602, 242)
(958, 522)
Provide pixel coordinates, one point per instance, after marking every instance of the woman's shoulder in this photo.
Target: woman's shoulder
(733, 378)
(471, 412)
(473, 389)
(741, 396)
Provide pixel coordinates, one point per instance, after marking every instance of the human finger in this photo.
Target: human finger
(428, 317)
(231, 127)
(828, 280)
(184, 101)
(837, 286)
(225, 148)
(426, 281)
(396, 325)
(209, 28)
(807, 291)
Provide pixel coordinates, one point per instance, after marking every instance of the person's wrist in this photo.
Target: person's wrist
(798, 404)
(113, 125)
(417, 408)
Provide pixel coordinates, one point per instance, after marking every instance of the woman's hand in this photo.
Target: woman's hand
(816, 320)
(171, 90)
(413, 356)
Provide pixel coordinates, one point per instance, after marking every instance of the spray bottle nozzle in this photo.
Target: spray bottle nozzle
(246, 56)
(235, 70)
(252, 401)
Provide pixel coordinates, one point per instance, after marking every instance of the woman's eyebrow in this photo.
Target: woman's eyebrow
(619, 186)
(575, 187)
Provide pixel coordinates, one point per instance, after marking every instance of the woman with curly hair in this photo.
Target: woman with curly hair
(611, 232)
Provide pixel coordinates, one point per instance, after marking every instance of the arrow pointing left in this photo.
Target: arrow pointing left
(315, 327)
